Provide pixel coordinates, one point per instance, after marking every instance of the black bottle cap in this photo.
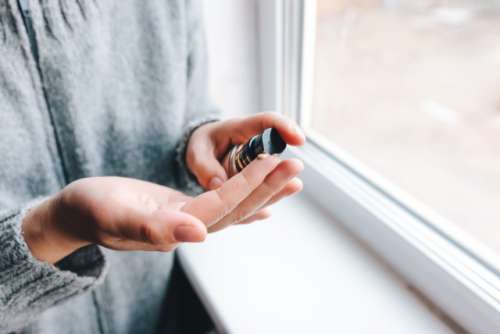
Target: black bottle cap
(272, 141)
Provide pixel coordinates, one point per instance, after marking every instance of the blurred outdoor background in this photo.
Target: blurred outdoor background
(412, 89)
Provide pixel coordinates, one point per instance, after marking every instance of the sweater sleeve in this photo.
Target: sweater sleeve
(29, 286)
(199, 109)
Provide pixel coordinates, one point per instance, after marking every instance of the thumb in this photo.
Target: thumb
(208, 170)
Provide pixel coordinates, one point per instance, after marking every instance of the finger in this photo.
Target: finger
(260, 215)
(213, 205)
(205, 166)
(162, 228)
(293, 187)
(272, 184)
(253, 125)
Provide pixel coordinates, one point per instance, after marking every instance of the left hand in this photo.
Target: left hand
(209, 143)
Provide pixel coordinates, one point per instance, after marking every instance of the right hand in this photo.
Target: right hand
(128, 214)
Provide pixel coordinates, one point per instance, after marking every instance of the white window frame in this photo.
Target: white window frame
(426, 250)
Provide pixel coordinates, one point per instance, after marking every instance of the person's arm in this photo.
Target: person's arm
(27, 285)
(117, 213)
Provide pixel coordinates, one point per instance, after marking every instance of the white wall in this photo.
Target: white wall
(231, 28)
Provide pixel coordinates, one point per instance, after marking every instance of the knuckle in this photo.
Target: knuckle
(268, 115)
(239, 216)
(192, 158)
(148, 234)
(196, 166)
(246, 180)
(197, 155)
(224, 204)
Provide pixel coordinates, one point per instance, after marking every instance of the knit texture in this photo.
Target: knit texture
(30, 285)
(100, 88)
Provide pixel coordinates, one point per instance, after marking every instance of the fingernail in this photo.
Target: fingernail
(215, 183)
(186, 233)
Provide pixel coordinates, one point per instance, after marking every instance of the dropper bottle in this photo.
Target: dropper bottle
(239, 156)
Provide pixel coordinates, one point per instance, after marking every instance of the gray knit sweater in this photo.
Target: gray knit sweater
(91, 88)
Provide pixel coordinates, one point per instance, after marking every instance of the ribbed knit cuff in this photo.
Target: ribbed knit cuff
(187, 181)
(27, 285)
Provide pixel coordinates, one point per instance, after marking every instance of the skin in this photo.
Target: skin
(127, 214)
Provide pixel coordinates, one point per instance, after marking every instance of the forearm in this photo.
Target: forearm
(30, 286)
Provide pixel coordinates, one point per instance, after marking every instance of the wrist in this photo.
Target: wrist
(45, 241)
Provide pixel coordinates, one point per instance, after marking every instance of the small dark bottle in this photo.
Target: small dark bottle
(240, 156)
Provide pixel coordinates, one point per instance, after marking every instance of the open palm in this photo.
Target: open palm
(129, 214)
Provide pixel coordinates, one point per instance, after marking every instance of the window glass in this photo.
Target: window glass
(412, 90)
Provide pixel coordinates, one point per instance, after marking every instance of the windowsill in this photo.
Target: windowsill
(300, 273)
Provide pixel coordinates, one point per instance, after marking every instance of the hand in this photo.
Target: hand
(128, 214)
(210, 142)
(118, 213)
